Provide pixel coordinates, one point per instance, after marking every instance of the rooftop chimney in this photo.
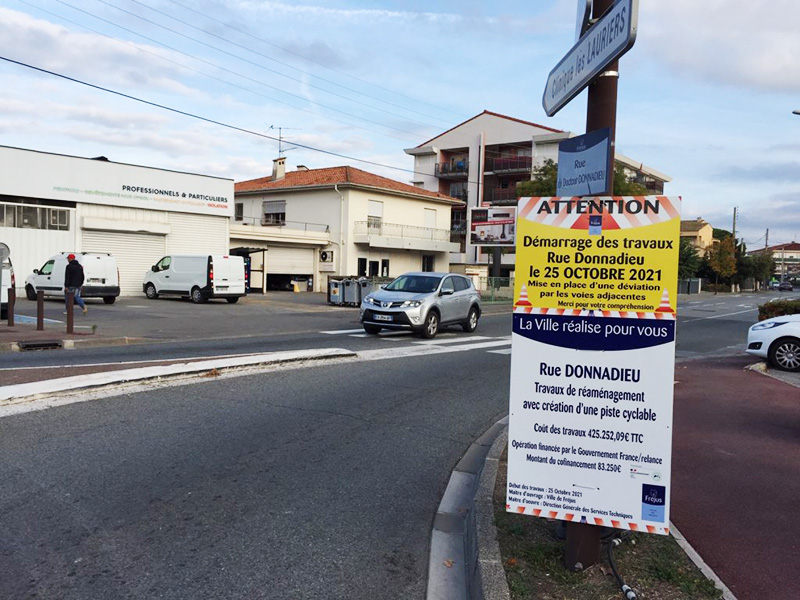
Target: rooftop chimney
(279, 168)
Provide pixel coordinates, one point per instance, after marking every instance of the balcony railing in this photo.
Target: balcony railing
(462, 195)
(512, 164)
(500, 194)
(454, 169)
(402, 231)
(293, 225)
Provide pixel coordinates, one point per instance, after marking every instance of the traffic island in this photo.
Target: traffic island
(21, 393)
(532, 555)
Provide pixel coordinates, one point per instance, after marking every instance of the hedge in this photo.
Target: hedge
(778, 308)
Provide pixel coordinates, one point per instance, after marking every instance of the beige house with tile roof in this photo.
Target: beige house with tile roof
(337, 221)
(700, 233)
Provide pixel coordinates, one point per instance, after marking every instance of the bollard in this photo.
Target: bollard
(70, 306)
(40, 310)
(12, 298)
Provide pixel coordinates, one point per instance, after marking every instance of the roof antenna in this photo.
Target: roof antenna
(281, 149)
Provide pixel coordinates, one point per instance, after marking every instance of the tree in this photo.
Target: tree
(542, 183)
(688, 260)
(763, 265)
(625, 187)
(545, 178)
(722, 258)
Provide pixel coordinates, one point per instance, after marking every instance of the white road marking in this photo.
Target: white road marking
(505, 351)
(342, 331)
(424, 350)
(454, 340)
(27, 319)
(722, 315)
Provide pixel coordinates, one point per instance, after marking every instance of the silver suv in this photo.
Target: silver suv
(422, 302)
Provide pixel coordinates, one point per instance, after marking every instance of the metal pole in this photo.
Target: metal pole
(583, 540)
(12, 300)
(39, 310)
(70, 306)
(601, 107)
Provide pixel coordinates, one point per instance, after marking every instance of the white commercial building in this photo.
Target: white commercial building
(51, 203)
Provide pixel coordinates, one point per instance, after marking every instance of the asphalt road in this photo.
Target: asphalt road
(707, 325)
(318, 482)
(301, 483)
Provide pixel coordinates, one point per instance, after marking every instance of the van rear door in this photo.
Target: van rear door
(228, 274)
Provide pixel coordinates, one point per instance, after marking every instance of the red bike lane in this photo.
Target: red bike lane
(735, 486)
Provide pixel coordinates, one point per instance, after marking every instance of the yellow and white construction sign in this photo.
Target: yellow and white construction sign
(593, 353)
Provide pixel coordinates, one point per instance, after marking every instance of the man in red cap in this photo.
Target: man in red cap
(73, 281)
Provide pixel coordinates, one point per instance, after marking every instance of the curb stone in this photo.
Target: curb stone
(72, 343)
(453, 563)
(21, 392)
(491, 574)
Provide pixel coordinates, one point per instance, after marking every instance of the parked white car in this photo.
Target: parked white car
(100, 276)
(778, 340)
(197, 276)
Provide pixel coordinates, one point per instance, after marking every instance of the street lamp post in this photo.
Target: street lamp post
(796, 112)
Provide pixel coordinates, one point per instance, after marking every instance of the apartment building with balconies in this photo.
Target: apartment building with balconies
(308, 224)
(481, 160)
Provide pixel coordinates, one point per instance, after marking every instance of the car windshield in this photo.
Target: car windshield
(415, 284)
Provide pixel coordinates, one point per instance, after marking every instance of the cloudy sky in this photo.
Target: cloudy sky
(706, 95)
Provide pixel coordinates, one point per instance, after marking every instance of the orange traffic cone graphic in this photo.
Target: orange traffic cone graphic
(523, 297)
(665, 306)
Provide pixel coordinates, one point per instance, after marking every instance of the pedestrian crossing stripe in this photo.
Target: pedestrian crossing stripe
(343, 331)
(445, 342)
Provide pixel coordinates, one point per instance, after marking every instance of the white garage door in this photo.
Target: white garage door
(290, 261)
(135, 254)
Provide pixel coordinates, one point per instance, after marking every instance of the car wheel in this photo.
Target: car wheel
(431, 327)
(471, 324)
(197, 296)
(30, 292)
(150, 291)
(109, 299)
(233, 300)
(785, 354)
(372, 329)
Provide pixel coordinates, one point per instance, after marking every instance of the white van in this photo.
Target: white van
(7, 276)
(100, 276)
(196, 276)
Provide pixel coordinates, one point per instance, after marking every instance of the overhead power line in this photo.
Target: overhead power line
(221, 68)
(252, 63)
(324, 66)
(201, 73)
(200, 118)
(211, 121)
